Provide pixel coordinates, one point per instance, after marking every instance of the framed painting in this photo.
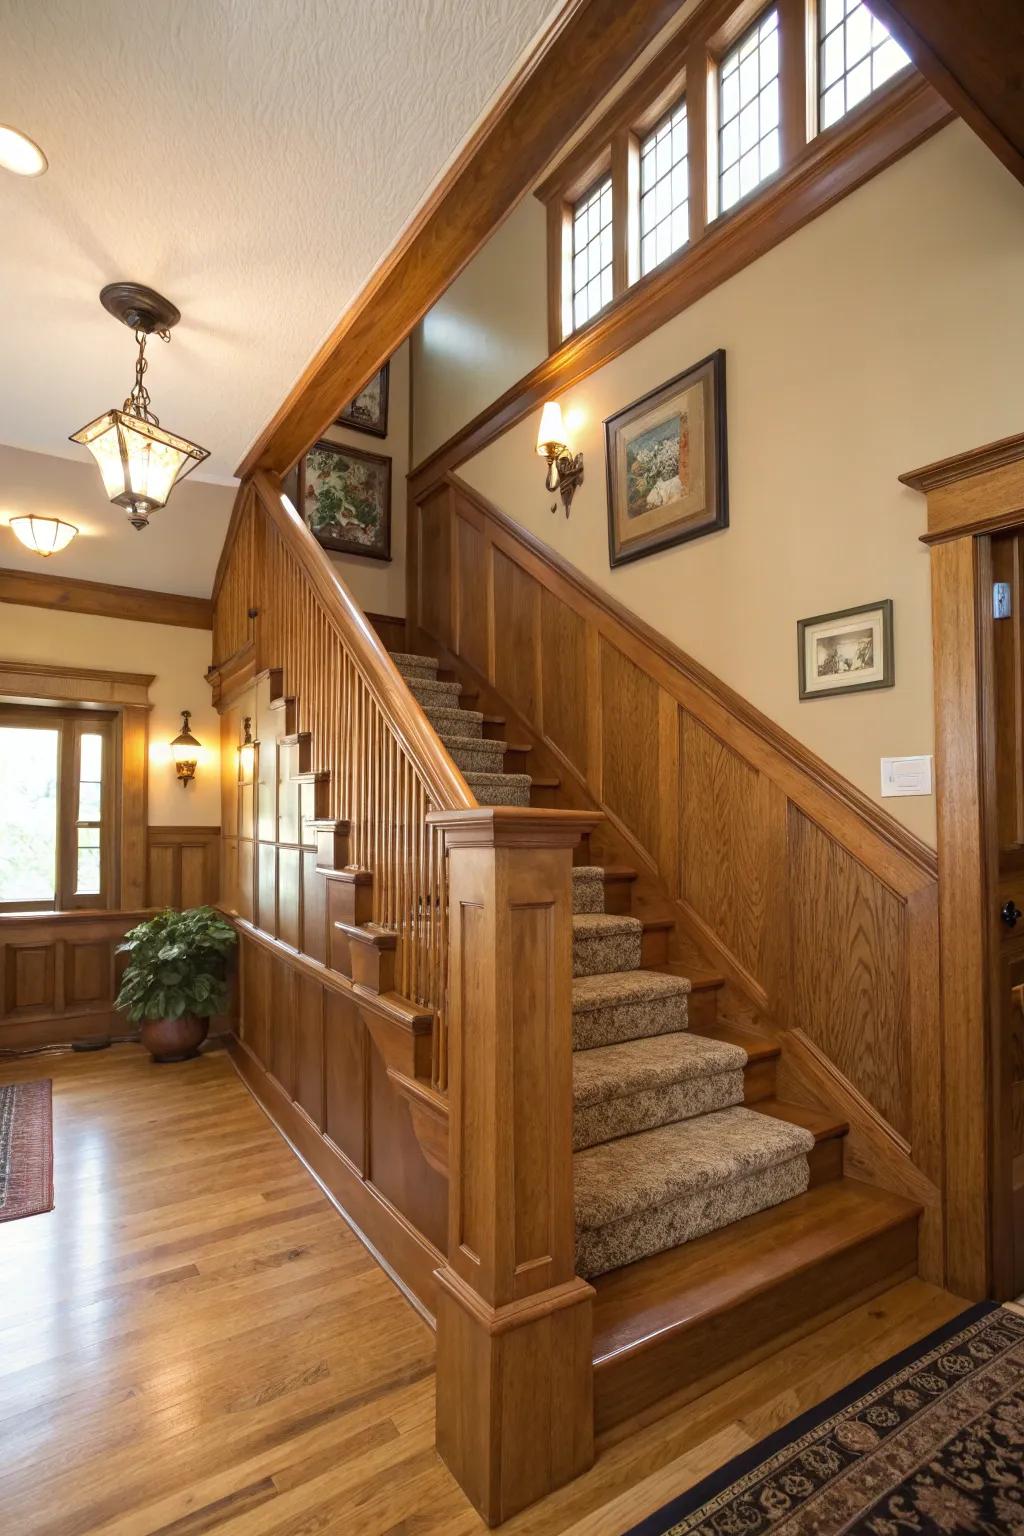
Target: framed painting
(846, 652)
(345, 497)
(368, 412)
(667, 464)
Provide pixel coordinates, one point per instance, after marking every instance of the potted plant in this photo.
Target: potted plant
(176, 979)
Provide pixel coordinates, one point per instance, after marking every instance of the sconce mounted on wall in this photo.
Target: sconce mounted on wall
(565, 469)
(186, 751)
(139, 460)
(247, 754)
(44, 536)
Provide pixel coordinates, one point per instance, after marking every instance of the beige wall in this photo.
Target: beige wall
(178, 658)
(887, 333)
(378, 585)
(484, 333)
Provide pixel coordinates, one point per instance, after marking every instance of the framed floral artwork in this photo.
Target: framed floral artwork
(368, 412)
(345, 497)
(846, 652)
(667, 464)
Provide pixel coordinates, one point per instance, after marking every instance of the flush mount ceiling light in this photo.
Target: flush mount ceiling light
(139, 460)
(43, 535)
(19, 153)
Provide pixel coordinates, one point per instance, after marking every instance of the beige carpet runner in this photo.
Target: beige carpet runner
(664, 1150)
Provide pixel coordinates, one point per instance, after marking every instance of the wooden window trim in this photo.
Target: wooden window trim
(688, 66)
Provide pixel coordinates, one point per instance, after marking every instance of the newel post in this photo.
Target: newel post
(514, 1327)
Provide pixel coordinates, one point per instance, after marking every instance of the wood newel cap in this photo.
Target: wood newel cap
(509, 826)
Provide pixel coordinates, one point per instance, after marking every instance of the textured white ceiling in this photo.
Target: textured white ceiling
(253, 161)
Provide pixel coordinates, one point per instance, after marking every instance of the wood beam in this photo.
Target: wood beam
(574, 63)
(974, 56)
(41, 589)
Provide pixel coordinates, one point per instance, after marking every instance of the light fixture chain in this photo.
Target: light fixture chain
(138, 402)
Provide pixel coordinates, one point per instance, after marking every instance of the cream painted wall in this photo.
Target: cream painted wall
(178, 658)
(887, 333)
(378, 585)
(484, 333)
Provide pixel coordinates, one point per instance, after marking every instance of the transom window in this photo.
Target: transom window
(592, 253)
(664, 190)
(55, 808)
(856, 55)
(748, 112)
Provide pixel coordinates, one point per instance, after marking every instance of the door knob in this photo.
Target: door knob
(1010, 912)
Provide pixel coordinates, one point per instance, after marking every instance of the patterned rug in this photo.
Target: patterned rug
(931, 1443)
(26, 1149)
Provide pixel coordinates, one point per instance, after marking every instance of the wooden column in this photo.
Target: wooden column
(514, 1368)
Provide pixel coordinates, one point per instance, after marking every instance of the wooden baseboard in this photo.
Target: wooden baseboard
(402, 1252)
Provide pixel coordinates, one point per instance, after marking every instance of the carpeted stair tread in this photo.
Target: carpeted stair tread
(475, 754)
(603, 942)
(500, 788)
(587, 888)
(430, 690)
(627, 1005)
(674, 1162)
(457, 722)
(616, 1071)
(415, 666)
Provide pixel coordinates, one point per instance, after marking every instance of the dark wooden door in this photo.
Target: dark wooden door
(1006, 894)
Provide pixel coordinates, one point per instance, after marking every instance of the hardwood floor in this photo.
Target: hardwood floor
(194, 1341)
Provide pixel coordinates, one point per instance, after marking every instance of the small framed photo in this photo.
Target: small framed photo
(345, 497)
(846, 652)
(667, 464)
(368, 412)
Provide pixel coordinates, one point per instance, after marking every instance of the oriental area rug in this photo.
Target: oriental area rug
(26, 1149)
(930, 1443)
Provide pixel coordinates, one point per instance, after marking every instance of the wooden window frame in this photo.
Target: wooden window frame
(687, 66)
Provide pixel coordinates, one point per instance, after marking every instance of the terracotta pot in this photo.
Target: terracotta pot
(174, 1039)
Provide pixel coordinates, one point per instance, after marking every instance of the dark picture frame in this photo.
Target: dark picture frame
(843, 641)
(654, 433)
(362, 416)
(333, 499)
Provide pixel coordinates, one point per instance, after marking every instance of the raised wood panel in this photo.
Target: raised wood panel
(471, 595)
(434, 562)
(183, 866)
(87, 973)
(345, 1079)
(31, 977)
(59, 975)
(289, 896)
(850, 981)
(309, 1050)
(629, 737)
(397, 1165)
(517, 626)
(565, 695)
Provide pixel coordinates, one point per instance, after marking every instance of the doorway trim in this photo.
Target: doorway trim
(969, 497)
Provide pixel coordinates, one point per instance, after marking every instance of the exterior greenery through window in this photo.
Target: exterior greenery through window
(55, 808)
(748, 112)
(592, 253)
(856, 55)
(664, 190)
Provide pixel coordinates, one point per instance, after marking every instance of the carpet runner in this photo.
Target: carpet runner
(26, 1149)
(664, 1152)
(931, 1441)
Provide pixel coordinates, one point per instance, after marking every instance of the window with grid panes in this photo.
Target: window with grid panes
(592, 253)
(748, 112)
(664, 190)
(856, 55)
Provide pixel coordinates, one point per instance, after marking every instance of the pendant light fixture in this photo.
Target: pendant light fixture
(139, 460)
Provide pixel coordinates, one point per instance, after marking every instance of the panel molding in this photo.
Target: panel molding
(39, 589)
(182, 866)
(59, 976)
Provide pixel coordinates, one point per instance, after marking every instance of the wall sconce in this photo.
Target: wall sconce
(43, 535)
(565, 469)
(139, 460)
(247, 754)
(186, 749)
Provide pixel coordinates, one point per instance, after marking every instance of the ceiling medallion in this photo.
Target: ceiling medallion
(139, 460)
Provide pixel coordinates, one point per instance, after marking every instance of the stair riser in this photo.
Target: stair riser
(455, 722)
(587, 895)
(681, 1221)
(514, 795)
(439, 695)
(484, 758)
(602, 956)
(664, 1372)
(655, 948)
(629, 1021)
(594, 1123)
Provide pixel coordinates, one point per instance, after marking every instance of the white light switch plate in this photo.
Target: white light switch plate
(906, 776)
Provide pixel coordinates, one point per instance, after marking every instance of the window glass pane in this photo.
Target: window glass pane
(91, 755)
(592, 253)
(29, 760)
(856, 55)
(87, 882)
(664, 189)
(90, 771)
(748, 101)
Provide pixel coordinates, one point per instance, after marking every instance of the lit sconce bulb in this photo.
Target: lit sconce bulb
(565, 469)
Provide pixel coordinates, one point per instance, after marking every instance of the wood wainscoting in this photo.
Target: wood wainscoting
(817, 907)
(59, 975)
(182, 866)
